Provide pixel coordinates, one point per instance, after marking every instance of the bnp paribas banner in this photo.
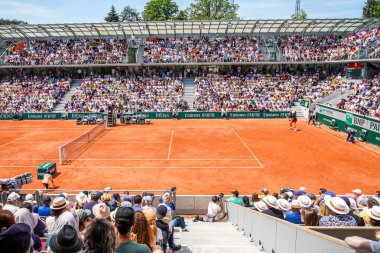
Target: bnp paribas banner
(326, 115)
(366, 123)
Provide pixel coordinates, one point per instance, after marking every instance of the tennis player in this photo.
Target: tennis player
(293, 120)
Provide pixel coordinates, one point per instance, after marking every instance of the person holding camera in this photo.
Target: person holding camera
(215, 210)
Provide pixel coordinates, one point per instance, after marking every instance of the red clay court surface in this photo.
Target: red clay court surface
(197, 156)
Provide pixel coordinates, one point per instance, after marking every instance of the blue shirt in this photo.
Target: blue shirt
(137, 207)
(294, 218)
(44, 211)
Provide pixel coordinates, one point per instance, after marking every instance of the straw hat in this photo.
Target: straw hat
(101, 211)
(353, 204)
(295, 204)
(59, 203)
(261, 206)
(305, 201)
(271, 201)
(374, 212)
(337, 205)
(284, 205)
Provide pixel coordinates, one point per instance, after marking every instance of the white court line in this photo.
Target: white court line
(141, 167)
(101, 142)
(170, 146)
(14, 140)
(158, 159)
(245, 144)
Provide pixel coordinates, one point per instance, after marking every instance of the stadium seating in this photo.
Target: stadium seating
(61, 52)
(31, 94)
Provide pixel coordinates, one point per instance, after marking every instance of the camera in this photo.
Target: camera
(220, 196)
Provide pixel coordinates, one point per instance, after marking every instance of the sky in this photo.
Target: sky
(89, 11)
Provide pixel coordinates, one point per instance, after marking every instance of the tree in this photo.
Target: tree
(12, 22)
(213, 10)
(371, 9)
(302, 16)
(112, 15)
(160, 10)
(182, 15)
(129, 14)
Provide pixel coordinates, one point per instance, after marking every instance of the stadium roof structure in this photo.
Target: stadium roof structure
(184, 28)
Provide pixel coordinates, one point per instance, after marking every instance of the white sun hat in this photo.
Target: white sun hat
(261, 206)
(337, 205)
(284, 205)
(271, 201)
(305, 201)
(374, 212)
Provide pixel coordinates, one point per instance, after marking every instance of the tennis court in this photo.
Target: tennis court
(197, 156)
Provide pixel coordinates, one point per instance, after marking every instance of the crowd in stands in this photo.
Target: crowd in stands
(330, 47)
(260, 92)
(202, 49)
(98, 94)
(31, 94)
(327, 210)
(94, 222)
(364, 98)
(61, 52)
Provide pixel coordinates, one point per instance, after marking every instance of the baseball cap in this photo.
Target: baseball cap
(125, 215)
(302, 189)
(83, 214)
(94, 194)
(357, 191)
(47, 200)
(101, 211)
(265, 191)
(29, 197)
(116, 196)
(13, 196)
(16, 238)
(161, 211)
(126, 204)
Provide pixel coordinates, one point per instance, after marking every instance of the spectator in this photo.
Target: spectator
(141, 232)
(60, 216)
(7, 219)
(100, 237)
(284, 206)
(338, 214)
(124, 220)
(101, 211)
(353, 207)
(45, 210)
(272, 205)
(162, 225)
(23, 215)
(255, 198)
(67, 241)
(137, 200)
(309, 217)
(260, 206)
(246, 201)
(295, 216)
(13, 202)
(362, 244)
(374, 214)
(117, 198)
(235, 198)
(81, 200)
(370, 203)
(94, 201)
(305, 201)
(84, 217)
(16, 239)
(148, 201)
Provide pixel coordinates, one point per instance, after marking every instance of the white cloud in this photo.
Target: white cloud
(25, 11)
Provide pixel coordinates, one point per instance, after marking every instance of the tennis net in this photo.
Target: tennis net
(74, 148)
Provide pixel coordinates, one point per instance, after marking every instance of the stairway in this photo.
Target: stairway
(216, 237)
(66, 98)
(189, 92)
(297, 107)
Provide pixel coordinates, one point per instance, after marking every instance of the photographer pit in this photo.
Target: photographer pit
(215, 210)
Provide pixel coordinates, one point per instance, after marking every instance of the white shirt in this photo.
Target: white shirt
(11, 208)
(47, 179)
(213, 209)
(54, 225)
